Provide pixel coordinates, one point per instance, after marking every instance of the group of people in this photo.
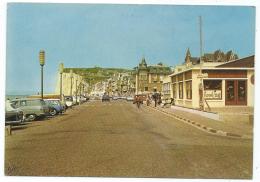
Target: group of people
(156, 97)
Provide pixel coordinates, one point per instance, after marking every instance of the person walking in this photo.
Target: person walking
(138, 101)
(148, 100)
(155, 99)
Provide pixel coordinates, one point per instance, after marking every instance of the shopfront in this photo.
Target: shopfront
(228, 84)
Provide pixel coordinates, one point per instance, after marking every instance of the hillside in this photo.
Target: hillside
(97, 74)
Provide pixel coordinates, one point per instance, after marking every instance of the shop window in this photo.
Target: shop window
(212, 89)
(189, 90)
(180, 90)
(212, 84)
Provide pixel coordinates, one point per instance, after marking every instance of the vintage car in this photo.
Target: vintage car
(12, 115)
(68, 101)
(55, 106)
(32, 108)
(105, 98)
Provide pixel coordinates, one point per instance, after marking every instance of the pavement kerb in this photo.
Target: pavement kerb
(203, 127)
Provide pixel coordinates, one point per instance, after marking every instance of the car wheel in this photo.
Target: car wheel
(31, 117)
(53, 112)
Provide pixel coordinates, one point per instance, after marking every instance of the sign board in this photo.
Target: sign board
(213, 94)
(204, 75)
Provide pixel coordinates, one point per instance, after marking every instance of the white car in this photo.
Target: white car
(129, 98)
(68, 101)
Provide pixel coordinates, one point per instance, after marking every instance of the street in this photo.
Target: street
(118, 139)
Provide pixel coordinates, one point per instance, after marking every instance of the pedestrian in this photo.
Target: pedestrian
(155, 99)
(159, 98)
(148, 100)
(138, 101)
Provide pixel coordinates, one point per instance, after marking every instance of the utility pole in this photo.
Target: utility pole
(201, 89)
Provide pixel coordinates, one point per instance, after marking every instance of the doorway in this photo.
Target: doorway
(236, 92)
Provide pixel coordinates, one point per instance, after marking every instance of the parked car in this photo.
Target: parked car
(12, 115)
(129, 98)
(32, 108)
(115, 98)
(68, 101)
(55, 106)
(122, 97)
(105, 98)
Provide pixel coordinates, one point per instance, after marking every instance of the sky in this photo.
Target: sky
(107, 35)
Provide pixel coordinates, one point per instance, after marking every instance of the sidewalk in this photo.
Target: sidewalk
(231, 128)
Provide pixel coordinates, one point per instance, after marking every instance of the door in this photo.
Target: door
(236, 92)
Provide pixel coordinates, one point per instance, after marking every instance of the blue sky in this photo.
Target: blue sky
(87, 35)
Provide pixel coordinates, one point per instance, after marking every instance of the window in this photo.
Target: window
(212, 89)
(174, 90)
(181, 90)
(189, 90)
(212, 84)
(23, 103)
(145, 88)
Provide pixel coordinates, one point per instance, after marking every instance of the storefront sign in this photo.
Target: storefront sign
(212, 94)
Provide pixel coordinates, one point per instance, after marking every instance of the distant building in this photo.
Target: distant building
(150, 78)
(217, 56)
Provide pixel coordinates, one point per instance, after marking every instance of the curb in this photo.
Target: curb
(203, 127)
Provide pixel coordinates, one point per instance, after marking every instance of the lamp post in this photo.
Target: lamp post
(42, 62)
(71, 77)
(61, 67)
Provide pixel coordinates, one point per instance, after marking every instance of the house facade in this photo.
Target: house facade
(149, 79)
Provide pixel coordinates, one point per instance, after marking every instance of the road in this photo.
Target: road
(118, 139)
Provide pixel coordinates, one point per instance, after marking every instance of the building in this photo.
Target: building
(71, 83)
(229, 82)
(166, 88)
(215, 57)
(150, 78)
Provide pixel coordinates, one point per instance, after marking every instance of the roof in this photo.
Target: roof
(26, 99)
(247, 62)
(159, 69)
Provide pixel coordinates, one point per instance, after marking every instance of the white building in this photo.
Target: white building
(224, 84)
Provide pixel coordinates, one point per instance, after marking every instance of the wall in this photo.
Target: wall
(251, 89)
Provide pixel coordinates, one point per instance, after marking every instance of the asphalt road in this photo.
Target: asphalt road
(118, 139)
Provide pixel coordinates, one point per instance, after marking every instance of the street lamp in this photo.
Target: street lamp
(61, 67)
(42, 62)
(71, 77)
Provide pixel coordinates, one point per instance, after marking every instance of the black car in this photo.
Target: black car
(105, 98)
